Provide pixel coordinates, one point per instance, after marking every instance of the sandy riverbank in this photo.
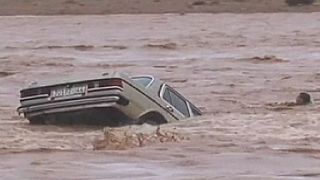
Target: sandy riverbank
(76, 7)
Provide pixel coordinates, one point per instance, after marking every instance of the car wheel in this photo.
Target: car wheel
(152, 118)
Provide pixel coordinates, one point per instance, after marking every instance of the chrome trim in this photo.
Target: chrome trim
(162, 91)
(34, 97)
(68, 109)
(66, 104)
(104, 88)
(189, 108)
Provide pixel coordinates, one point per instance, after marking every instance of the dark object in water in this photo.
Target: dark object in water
(303, 99)
(297, 2)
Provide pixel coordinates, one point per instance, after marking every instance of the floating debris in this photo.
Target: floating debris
(266, 59)
(121, 139)
(302, 99)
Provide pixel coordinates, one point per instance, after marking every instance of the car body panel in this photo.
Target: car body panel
(135, 97)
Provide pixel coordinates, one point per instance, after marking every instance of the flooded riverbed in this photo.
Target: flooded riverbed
(211, 59)
(157, 164)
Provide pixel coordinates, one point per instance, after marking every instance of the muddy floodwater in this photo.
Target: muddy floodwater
(242, 70)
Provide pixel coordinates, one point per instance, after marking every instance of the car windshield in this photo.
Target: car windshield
(144, 81)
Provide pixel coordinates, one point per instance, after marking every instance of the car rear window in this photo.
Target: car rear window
(144, 81)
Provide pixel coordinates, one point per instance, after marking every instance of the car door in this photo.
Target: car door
(175, 102)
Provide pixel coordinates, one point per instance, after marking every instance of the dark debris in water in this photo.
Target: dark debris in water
(6, 73)
(165, 46)
(302, 99)
(265, 59)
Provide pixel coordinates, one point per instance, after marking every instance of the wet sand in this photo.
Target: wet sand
(211, 59)
(85, 7)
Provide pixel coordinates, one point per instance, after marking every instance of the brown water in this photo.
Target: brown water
(158, 164)
(246, 133)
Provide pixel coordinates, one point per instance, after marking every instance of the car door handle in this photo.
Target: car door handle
(169, 108)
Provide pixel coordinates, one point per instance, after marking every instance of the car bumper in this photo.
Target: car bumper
(72, 105)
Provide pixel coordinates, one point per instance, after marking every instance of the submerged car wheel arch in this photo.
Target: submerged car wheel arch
(152, 117)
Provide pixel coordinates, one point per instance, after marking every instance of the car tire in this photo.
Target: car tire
(152, 118)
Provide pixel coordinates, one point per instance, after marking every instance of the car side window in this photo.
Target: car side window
(166, 96)
(176, 101)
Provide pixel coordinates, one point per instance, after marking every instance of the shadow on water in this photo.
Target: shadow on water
(110, 117)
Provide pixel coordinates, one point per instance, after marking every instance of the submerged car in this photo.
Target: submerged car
(113, 99)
